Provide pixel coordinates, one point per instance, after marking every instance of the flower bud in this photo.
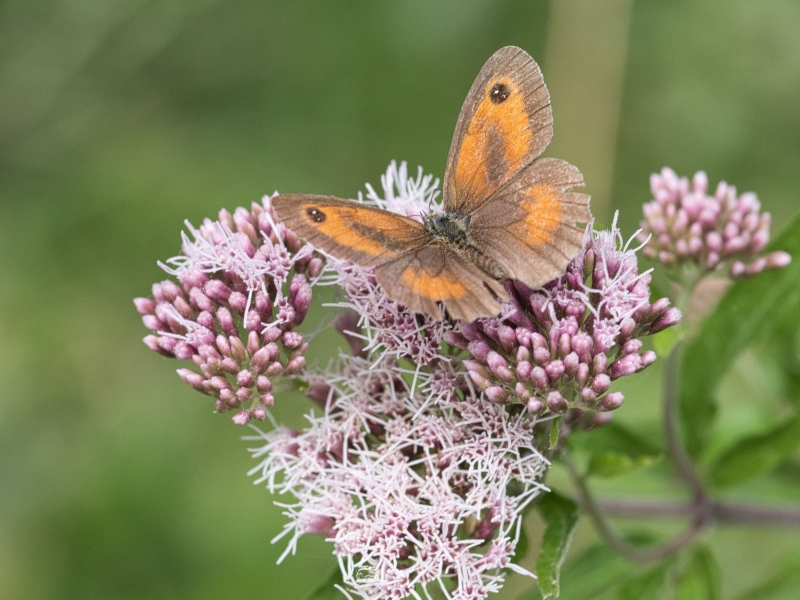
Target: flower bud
(241, 418)
(535, 406)
(556, 402)
(497, 394)
(195, 380)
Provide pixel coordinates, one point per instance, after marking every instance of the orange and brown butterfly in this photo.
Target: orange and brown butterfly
(508, 214)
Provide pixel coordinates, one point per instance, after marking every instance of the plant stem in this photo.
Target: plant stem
(616, 541)
(718, 511)
(675, 449)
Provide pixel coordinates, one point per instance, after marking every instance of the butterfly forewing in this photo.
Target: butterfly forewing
(505, 123)
(364, 234)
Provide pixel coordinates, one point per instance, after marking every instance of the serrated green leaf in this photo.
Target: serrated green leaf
(700, 579)
(647, 586)
(611, 464)
(596, 569)
(755, 454)
(560, 515)
(748, 309)
(326, 590)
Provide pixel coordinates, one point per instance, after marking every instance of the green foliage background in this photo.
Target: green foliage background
(120, 119)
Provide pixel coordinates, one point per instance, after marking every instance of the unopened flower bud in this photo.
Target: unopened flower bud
(195, 380)
(535, 406)
(497, 394)
(296, 365)
(669, 318)
(241, 418)
(610, 401)
(556, 402)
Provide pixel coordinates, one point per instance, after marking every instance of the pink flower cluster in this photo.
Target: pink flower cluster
(411, 492)
(684, 225)
(230, 312)
(560, 347)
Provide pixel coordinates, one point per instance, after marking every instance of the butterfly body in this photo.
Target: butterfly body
(453, 231)
(507, 213)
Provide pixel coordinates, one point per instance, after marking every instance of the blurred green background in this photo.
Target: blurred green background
(118, 120)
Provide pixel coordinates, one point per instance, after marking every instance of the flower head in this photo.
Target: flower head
(409, 491)
(684, 226)
(560, 347)
(243, 286)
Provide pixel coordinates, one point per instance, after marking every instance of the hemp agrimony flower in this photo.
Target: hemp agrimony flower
(685, 227)
(426, 445)
(231, 312)
(560, 347)
(411, 492)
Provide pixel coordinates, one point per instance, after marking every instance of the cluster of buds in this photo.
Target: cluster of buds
(410, 491)
(230, 313)
(684, 226)
(559, 348)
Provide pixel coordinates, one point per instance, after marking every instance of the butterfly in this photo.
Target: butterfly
(508, 214)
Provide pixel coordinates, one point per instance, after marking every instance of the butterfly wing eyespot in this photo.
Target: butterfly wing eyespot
(315, 214)
(366, 235)
(505, 123)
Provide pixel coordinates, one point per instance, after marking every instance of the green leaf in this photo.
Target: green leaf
(749, 308)
(611, 464)
(327, 591)
(755, 454)
(595, 572)
(700, 579)
(646, 586)
(588, 575)
(560, 515)
(613, 437)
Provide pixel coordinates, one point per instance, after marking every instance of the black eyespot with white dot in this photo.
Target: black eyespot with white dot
(499, 93)
(316, 215)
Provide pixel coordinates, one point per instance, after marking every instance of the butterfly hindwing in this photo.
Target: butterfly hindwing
(424, 277)
(505, 123)
(528, 227)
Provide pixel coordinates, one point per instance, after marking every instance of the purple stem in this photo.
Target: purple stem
(718, 511)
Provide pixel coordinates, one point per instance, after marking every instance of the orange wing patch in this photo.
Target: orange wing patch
(497, 139)
(544, 214)
(342, 225)
(436, 287)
